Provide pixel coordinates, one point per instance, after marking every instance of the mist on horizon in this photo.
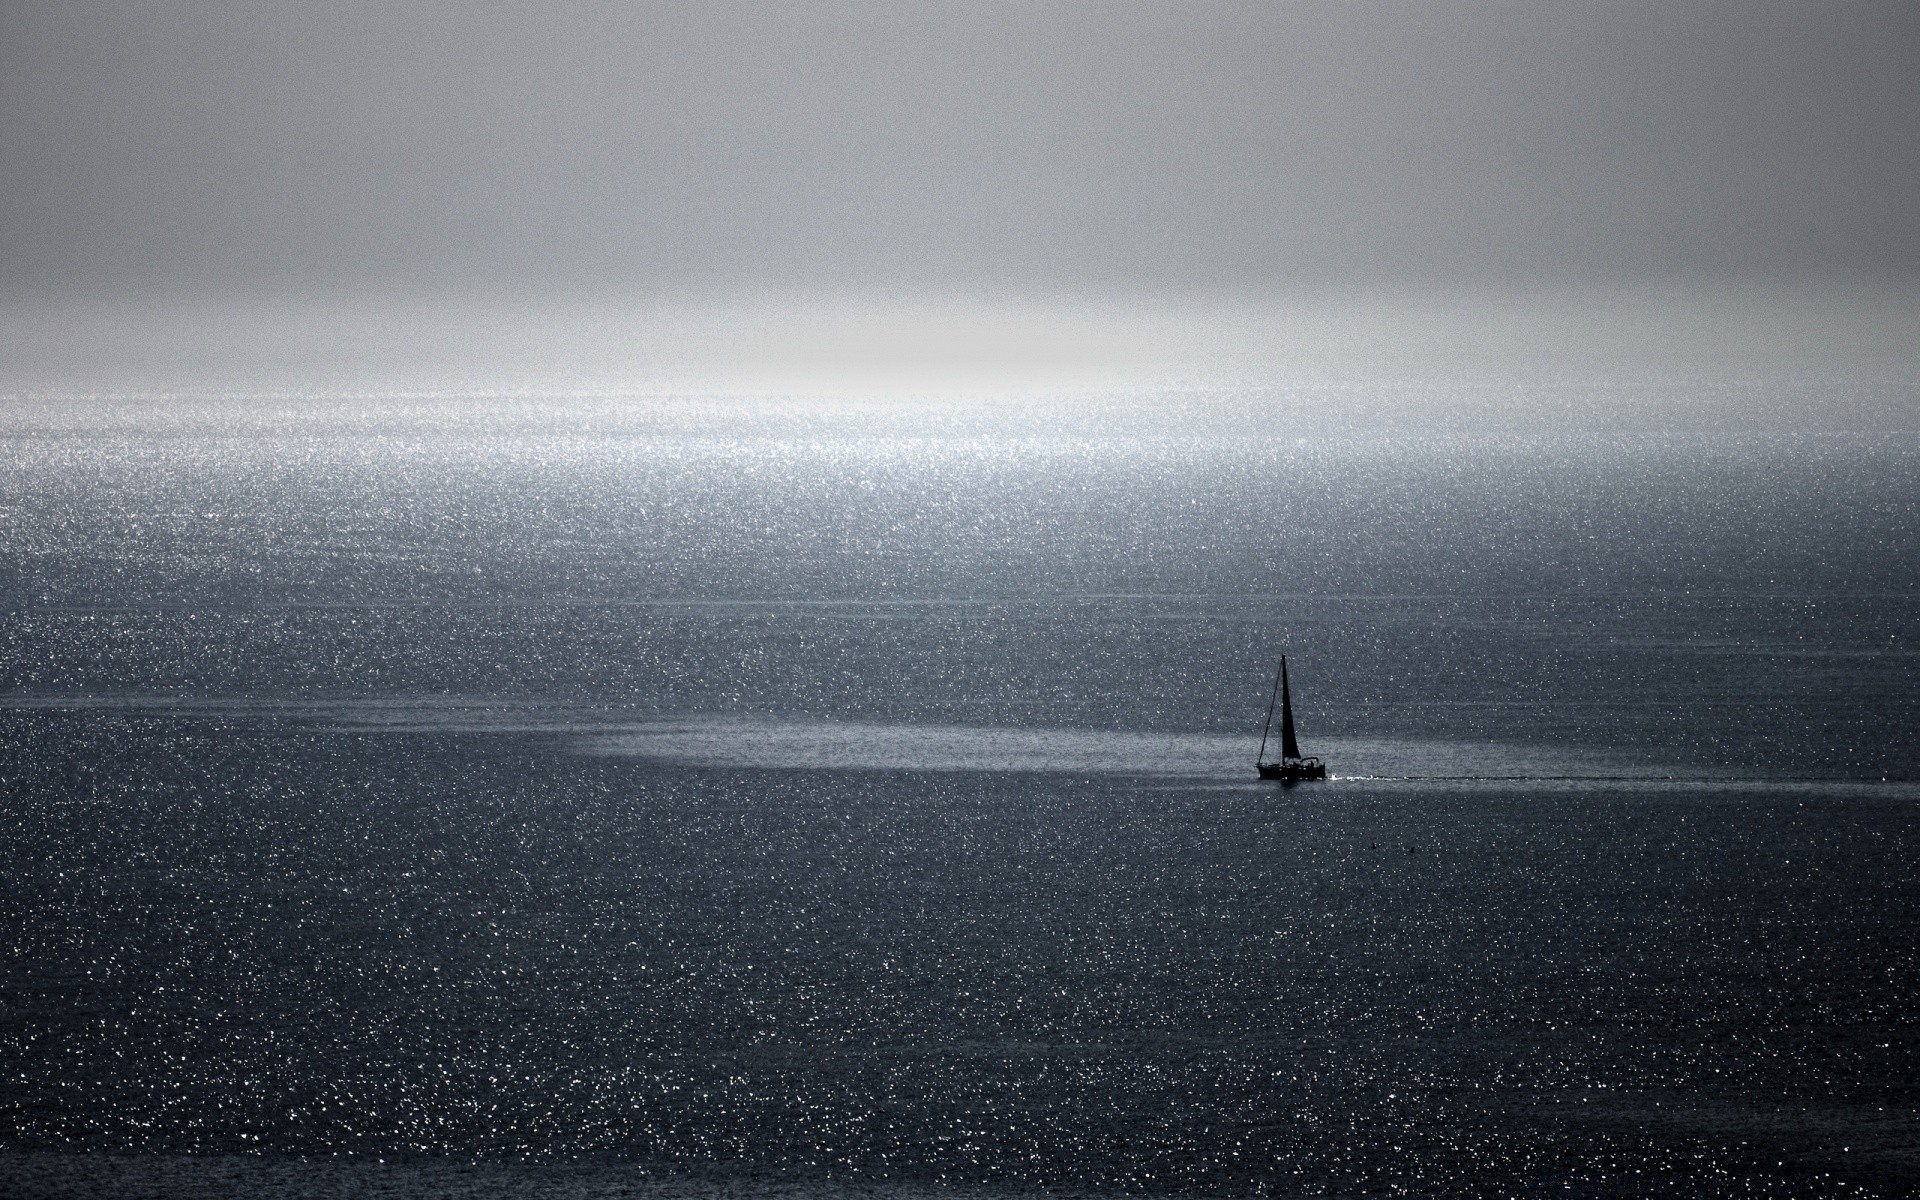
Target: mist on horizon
(860, 198)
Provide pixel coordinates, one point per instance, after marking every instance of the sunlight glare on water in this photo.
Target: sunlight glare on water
(762, 798)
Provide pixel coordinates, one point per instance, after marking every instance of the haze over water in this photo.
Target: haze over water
(677, 600)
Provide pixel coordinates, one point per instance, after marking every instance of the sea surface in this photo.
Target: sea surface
(702, 797)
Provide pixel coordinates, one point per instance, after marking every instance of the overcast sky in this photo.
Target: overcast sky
(934, 145)
(939, 149)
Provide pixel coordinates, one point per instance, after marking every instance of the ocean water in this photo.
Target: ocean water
(599, 797)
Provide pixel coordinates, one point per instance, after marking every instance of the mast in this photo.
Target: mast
(1288, 747)
(1261, 758)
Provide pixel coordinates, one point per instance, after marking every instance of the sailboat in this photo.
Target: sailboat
(1293, 766)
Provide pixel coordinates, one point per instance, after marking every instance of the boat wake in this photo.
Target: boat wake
(1213, 759)
(836, 745)
(743, 742)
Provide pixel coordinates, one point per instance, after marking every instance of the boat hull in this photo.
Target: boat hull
(1294, 770)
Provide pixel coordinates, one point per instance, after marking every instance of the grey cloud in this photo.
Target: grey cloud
(945, 148)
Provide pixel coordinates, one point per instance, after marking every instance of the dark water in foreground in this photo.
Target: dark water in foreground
(560, 803)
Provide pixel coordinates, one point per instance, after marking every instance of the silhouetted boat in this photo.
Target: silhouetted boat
(1293, 766)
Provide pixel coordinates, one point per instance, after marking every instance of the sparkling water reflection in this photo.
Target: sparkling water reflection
(786, 809)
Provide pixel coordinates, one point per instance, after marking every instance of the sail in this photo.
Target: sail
(1289, 748)
(1268, 727)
